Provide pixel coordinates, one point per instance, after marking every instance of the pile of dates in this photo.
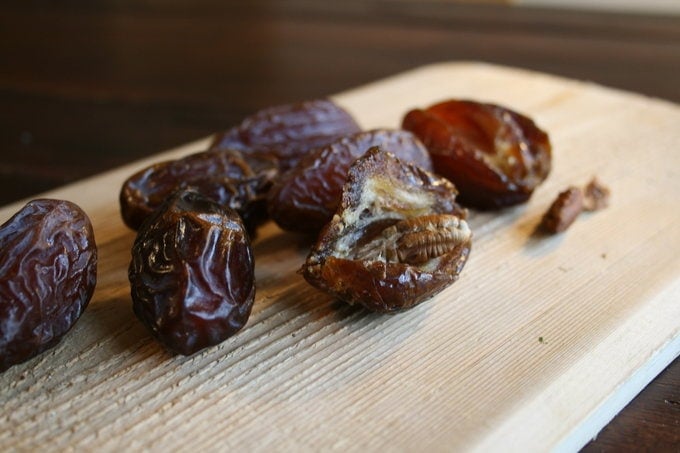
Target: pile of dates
(383, 205)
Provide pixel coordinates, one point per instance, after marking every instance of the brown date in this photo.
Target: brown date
(289, 131)
(305, 198)
(496, 157)
(192, 273)
(397, 239)
(48, 272)
(227, 177)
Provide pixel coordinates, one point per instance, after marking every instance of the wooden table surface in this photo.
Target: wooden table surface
(86, 88)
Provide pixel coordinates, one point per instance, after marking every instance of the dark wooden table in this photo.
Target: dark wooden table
(87, 86)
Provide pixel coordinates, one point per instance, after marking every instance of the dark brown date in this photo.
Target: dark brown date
(289, 131)
(496, 157)
(227, 177)
(192, 273)
(48, 271)
(306, 197)
(397, 239)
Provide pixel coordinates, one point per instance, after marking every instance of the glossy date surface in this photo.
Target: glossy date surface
(48, 272)
(192, 273)
(227, 177)
(289, 131)
(397, 239)
(496, 157)
(306, 197)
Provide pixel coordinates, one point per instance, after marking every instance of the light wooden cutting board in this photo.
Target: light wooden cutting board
(536, 347)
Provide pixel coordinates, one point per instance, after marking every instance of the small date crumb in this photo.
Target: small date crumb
(571, 202)
(563, 211)
(595, 196)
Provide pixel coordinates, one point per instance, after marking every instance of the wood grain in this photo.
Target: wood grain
(464, 370)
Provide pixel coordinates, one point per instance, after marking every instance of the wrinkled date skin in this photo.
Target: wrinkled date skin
(48, 272)
(289, 131)
(397, 239)
(496, 157)
(305, 198)
(192, 273)
(227, 177)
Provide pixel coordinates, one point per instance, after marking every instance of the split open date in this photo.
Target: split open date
(495, 156)
(398, 237)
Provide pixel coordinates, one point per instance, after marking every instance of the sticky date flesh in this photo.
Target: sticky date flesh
(48, 272)
(312, 189)
(397, 239)
(289, 131)
(192, 273)
(227, 177)
(496, 157)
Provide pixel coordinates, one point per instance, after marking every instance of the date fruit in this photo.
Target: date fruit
(397, 239)
(289, 131)
(192, 274)
(48, 271)
(305, 198)
(227, 177)
(496, 157)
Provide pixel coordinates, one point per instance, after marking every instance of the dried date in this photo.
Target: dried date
(192, 273)
(289, 131)
(496, 157)
(397, 239)
(305, 198)
(227, 177)
(48, 272)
